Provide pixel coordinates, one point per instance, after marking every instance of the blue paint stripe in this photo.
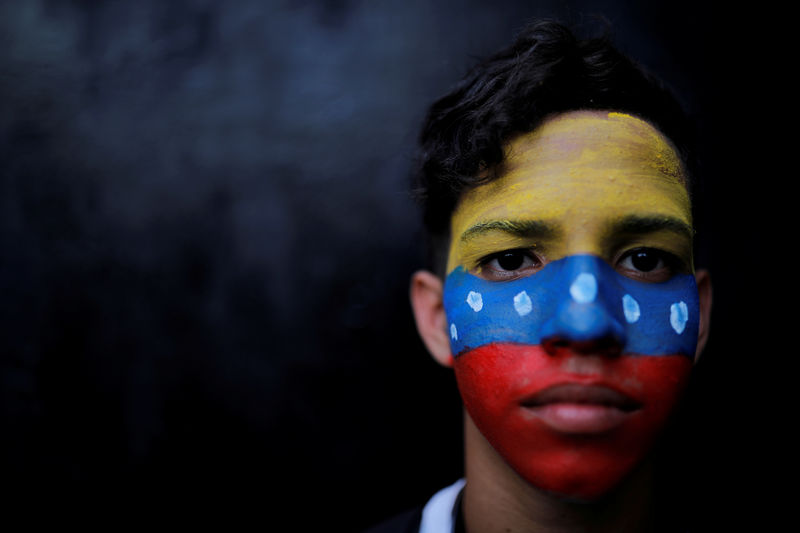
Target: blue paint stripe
(552, 308)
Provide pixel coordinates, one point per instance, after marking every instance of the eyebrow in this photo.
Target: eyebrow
(651, 224)
(519, 228)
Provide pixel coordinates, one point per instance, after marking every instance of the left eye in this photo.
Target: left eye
(643, 260)
(648, 263)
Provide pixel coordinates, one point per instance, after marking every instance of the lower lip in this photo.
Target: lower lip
(579, 418)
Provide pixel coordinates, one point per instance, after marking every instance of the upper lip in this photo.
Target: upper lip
(579, 393)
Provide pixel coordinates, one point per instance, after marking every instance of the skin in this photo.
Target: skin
(586, 182)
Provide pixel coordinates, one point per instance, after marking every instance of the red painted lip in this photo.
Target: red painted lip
(580, 409)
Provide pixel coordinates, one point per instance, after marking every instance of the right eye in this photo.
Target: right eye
(509, 264)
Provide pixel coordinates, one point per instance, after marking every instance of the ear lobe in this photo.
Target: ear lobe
(703, 279)
(427, 302)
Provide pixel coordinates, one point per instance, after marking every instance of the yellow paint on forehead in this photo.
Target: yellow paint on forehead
(580, 171)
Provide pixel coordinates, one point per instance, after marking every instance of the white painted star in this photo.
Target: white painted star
(631, 309)
(522, 303)
(584, 288)
(475, 301)
(678, 316)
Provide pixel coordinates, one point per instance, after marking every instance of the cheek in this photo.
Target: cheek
(493, 378)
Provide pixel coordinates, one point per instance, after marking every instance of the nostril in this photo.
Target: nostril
(559, 343)
(555, 344)
(608, 346)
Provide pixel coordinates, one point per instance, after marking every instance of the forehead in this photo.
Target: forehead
(577, 170)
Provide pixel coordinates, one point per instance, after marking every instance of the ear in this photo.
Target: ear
(428, 305)
(703, 279)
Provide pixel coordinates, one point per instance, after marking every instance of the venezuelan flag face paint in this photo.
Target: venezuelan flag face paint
(570, 299)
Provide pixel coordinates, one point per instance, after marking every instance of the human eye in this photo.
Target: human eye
(649, 264)
(509, 265)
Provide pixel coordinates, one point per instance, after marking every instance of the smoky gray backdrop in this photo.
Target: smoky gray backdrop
(207, 238)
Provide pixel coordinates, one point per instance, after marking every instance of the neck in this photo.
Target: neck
(497, 499)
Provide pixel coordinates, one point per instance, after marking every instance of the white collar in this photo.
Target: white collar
(437, 516)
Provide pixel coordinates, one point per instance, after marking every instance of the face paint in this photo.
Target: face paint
(570, 360)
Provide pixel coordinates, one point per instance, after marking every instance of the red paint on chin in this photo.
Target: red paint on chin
(575, 445)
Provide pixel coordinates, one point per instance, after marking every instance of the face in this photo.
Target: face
(570, 299)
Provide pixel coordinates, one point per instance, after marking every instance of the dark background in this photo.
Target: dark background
(206, 242)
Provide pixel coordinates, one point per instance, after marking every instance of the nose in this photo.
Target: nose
(583, 320)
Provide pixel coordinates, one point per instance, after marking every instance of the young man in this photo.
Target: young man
(555, 181)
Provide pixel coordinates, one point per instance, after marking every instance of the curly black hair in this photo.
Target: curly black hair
(547, 70)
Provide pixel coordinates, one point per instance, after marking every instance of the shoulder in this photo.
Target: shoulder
(436, 516)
